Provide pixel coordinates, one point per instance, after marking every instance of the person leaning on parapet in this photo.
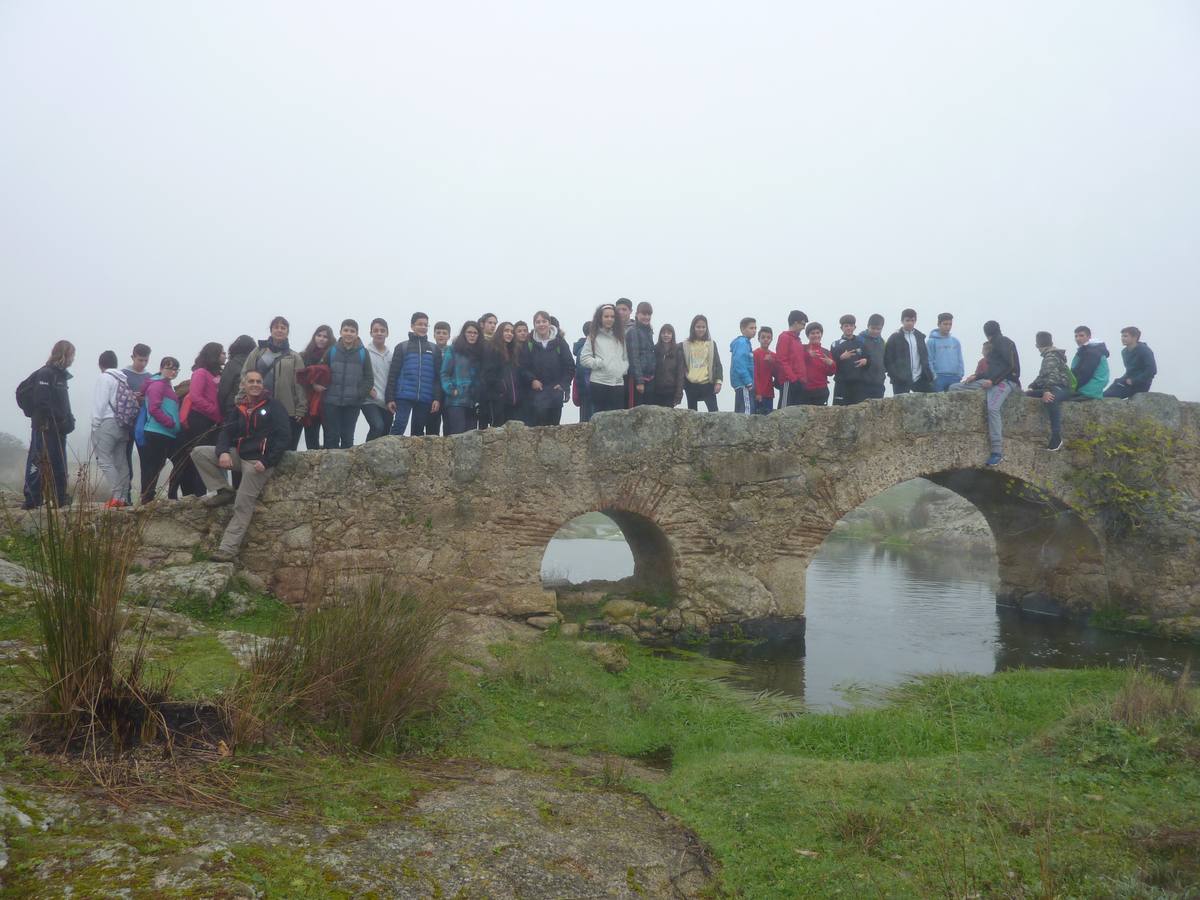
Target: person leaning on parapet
(1001, 378)
(1140, 367)
(789, 359)
(1052, 385)
(849, 359)
(1090, 365)
(871, 385)
(252, 441)
(906, 358)
(741, 366)
(945, 355)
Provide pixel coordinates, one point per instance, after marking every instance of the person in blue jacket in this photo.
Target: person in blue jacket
(741, 366)
(945, 355)
(1140, 367)
(414, 384)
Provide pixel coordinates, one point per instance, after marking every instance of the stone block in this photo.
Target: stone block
(198, 581)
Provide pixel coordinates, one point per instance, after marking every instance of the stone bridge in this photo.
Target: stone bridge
(722, 512)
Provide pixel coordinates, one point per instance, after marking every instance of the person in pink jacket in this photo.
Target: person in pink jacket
(201, 419)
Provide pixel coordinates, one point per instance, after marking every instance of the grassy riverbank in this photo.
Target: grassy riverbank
(1080, 783)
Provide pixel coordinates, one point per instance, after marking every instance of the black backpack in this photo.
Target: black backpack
(25, 394)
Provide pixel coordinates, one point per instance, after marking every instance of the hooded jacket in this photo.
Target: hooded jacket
(281, 374)
(381, 363)
(162, 407)
(789, 357)
(818, 366)
(897, 361)
(873, 349)
(351, 375)
(550, 362)
(606, 357)
(1003, 361)
(945, 355)
(51, 402)
(639, 342)
(104, 395)
(741, 362)
(1054, 374)
(1140, 367)
(670, 371)
(415, 372)
(257, 430)
(460, 378)
(1090, 365)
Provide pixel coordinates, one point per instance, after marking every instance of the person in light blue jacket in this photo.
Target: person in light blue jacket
(945, 355)
(741, 366)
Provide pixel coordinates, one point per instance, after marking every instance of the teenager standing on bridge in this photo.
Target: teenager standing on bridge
(460, 379)
(604, 354)
(670, 369)
(351, 381)
(414, 381)
(279, 365)
(704, 371)
(1001, 377)
(547, 368)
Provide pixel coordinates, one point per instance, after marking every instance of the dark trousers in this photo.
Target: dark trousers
(379, 420)
(667, 400)
(764, 405)
(585, 398)
(845, 393)
(434, 424)
(1053, 411)
(503, 412)
(483, 416)
(550, 414)
(340, 422)
(791, 394)
(923, 386)
(606, 397)
(153, 455)
(297, 430)
(869, 390)
(743, 400)
(47, 450)
(1123, 391)
(460, 419)
(199, 432)
(814, 396)
(697, 392)
(312, 437)
(422, 418)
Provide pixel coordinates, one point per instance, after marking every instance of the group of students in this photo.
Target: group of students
(243, 407)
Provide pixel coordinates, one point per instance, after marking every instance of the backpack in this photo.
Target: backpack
(1074, 382)
(139, 425)
(125, 405)
(25, 394)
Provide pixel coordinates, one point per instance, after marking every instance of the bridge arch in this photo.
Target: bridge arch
(655, 563)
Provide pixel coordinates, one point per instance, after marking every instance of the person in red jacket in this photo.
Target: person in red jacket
(818, 366)
(766, 366)
(789, 354)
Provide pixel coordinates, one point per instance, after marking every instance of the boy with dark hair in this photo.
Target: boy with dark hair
(414, 387)
(135, 376)
(1089, 365)
(873, 346)
(945, 355)
(906, 359)
(1001, 377)
(847, 352)
(1140, 367)
(765, 364)
(111, 399)
(583, 378)
(1052, 385)
(741, 366)
(441, 340)
(639, 347)
(378, 416)
(624, 308)
(351, 379)
(789, 357)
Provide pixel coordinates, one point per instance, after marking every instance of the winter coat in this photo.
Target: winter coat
(873, 349)
(162, 407)
(1140, 367)
(606, 357)
(789, 357)
(1054, 374)
(313, 374)
(280, 376)
(1090, 365)
(1004, 363)
(945, 355)
(639, 342)
(741, 362)
(765, 369)
(351, 375)
(818, 366)
(460, 379)
(897, 361)
(381, 363)
(51, 402)
(231, 382)
(416, 371)
(549, 362)
(670, 371)
(501, 378)
(203, 392)
(847, 371)
(716, 374)
(257, 429)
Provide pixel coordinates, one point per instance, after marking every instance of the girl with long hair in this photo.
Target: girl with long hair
(43, 397)
(547, 368)
(315, 380)
(670, 369)
(460, 379)
(501, 375)
(605, 354)
(200, 416)
(704, 372)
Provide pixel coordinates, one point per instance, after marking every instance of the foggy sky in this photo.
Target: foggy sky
(179, 173)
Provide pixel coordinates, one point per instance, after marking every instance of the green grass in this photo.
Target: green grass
(200, 666)
(264, 617)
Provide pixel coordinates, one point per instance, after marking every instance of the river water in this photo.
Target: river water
(876, 617)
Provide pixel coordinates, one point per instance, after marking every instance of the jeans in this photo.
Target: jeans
(460, 419)
(422, 419)
(251, 486)
(1054, 411)
(743, 400)
(340, 422)
(996, 395)
(911, 387)
(1123, 391)
(379, 420)
(697, 392)
(109, 438)
(606, 397)
(47, 447)
(941, 383)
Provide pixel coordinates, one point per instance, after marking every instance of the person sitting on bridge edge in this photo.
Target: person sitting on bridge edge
(1140, 367)
(906, 358)
(741, 366)
(1000, 378)
(765, 373)
(849, 360)
(945, 355)
(1090, 365)
(789, 358)
(1052, 385)
(252, 441)
(871, 375)
(818, 366)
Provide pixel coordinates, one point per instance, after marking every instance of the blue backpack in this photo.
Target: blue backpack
(139, 425)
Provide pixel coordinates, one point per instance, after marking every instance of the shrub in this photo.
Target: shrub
(364, 666)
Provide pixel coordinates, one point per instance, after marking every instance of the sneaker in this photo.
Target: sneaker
(115, 503)
(223, 555)
(223, 497)
(995, 459)
(1055, 446)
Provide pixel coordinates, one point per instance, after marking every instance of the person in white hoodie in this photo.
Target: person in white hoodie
(110, 437)
(604, 353)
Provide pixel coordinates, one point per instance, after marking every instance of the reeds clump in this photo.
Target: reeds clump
(1146, 699)
(364, 666)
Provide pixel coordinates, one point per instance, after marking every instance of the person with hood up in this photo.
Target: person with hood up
(279, 366)
(1140, 367)
(351, 381)
(252, 441)
(414, 387)
(906, 358)
(606, 357)
(1001, 377)
(547, 368)
(1090, 365)
(639, 342)
(1052, 385)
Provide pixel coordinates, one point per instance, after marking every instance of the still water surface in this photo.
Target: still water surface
(877, 617)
